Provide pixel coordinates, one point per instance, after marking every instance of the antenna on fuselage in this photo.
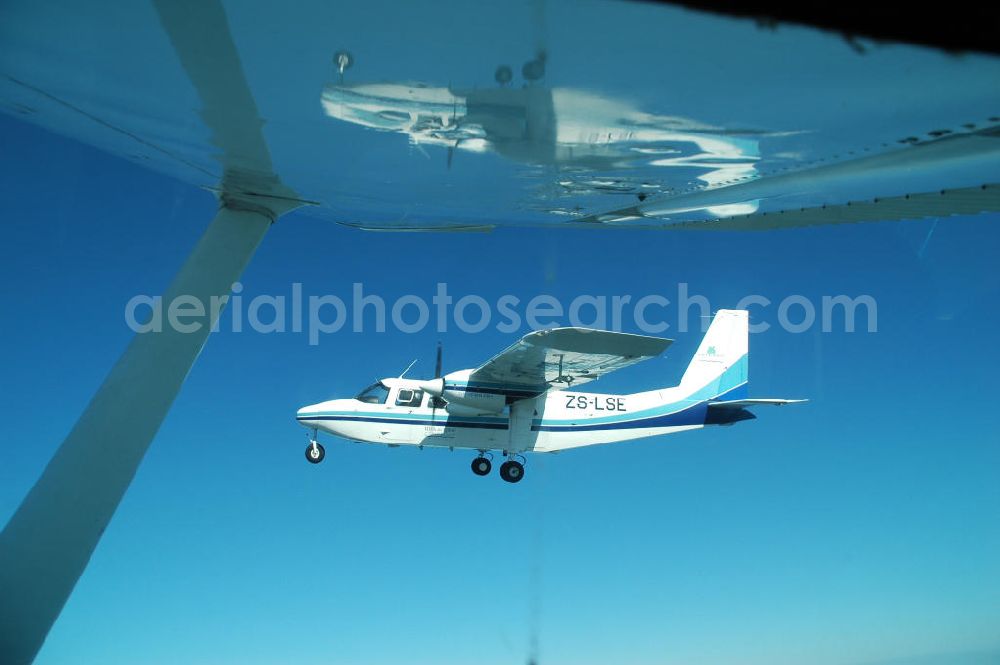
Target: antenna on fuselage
(408, 368)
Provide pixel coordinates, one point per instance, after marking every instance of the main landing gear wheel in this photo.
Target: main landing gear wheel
(481, 466)
(512, 471)
(315, 452)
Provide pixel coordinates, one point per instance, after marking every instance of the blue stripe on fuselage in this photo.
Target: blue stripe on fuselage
(407, 421)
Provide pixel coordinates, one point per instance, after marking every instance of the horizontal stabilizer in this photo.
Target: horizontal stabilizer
(743, 403)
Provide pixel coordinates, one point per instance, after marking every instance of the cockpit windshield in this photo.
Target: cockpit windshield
(376, 393)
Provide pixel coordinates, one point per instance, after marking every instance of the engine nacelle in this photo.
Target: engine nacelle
(454, 389)
(456, 409)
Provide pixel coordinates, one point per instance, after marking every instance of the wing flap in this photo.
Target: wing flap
(947, 202)
(938, 177)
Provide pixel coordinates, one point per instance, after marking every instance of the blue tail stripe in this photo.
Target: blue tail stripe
(693, 414)
(732, 384)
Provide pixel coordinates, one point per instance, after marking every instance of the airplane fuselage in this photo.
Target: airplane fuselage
(556, 420)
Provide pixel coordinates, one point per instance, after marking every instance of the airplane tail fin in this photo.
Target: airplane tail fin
(719, 367)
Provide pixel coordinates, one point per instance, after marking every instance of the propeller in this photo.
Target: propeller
(437, 402)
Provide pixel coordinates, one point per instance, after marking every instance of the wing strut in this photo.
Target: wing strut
(48, 542)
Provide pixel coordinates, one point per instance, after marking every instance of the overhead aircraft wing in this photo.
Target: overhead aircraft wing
(763, 129)
(566, 357)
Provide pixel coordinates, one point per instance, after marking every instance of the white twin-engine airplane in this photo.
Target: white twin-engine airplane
(523, 399)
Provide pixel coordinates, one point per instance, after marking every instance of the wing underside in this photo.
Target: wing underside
(954, 174)
(398, 137)
(566, 357)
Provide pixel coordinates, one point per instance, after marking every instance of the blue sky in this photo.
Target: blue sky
(858, 528)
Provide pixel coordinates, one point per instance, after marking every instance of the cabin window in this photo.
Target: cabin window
(376, 393)
(407, 397)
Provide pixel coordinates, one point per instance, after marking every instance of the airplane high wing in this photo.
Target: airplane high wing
(565, 357)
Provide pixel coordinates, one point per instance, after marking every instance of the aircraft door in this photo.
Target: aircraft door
(407, 402)
(521, 415)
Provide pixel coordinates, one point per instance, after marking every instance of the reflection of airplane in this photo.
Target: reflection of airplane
(523, 399)
(552, 126)
(582, 130)
(536, 124)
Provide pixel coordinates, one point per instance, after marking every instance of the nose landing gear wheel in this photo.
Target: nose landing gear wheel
(512, 471)
(315, 452)
(481, 466)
